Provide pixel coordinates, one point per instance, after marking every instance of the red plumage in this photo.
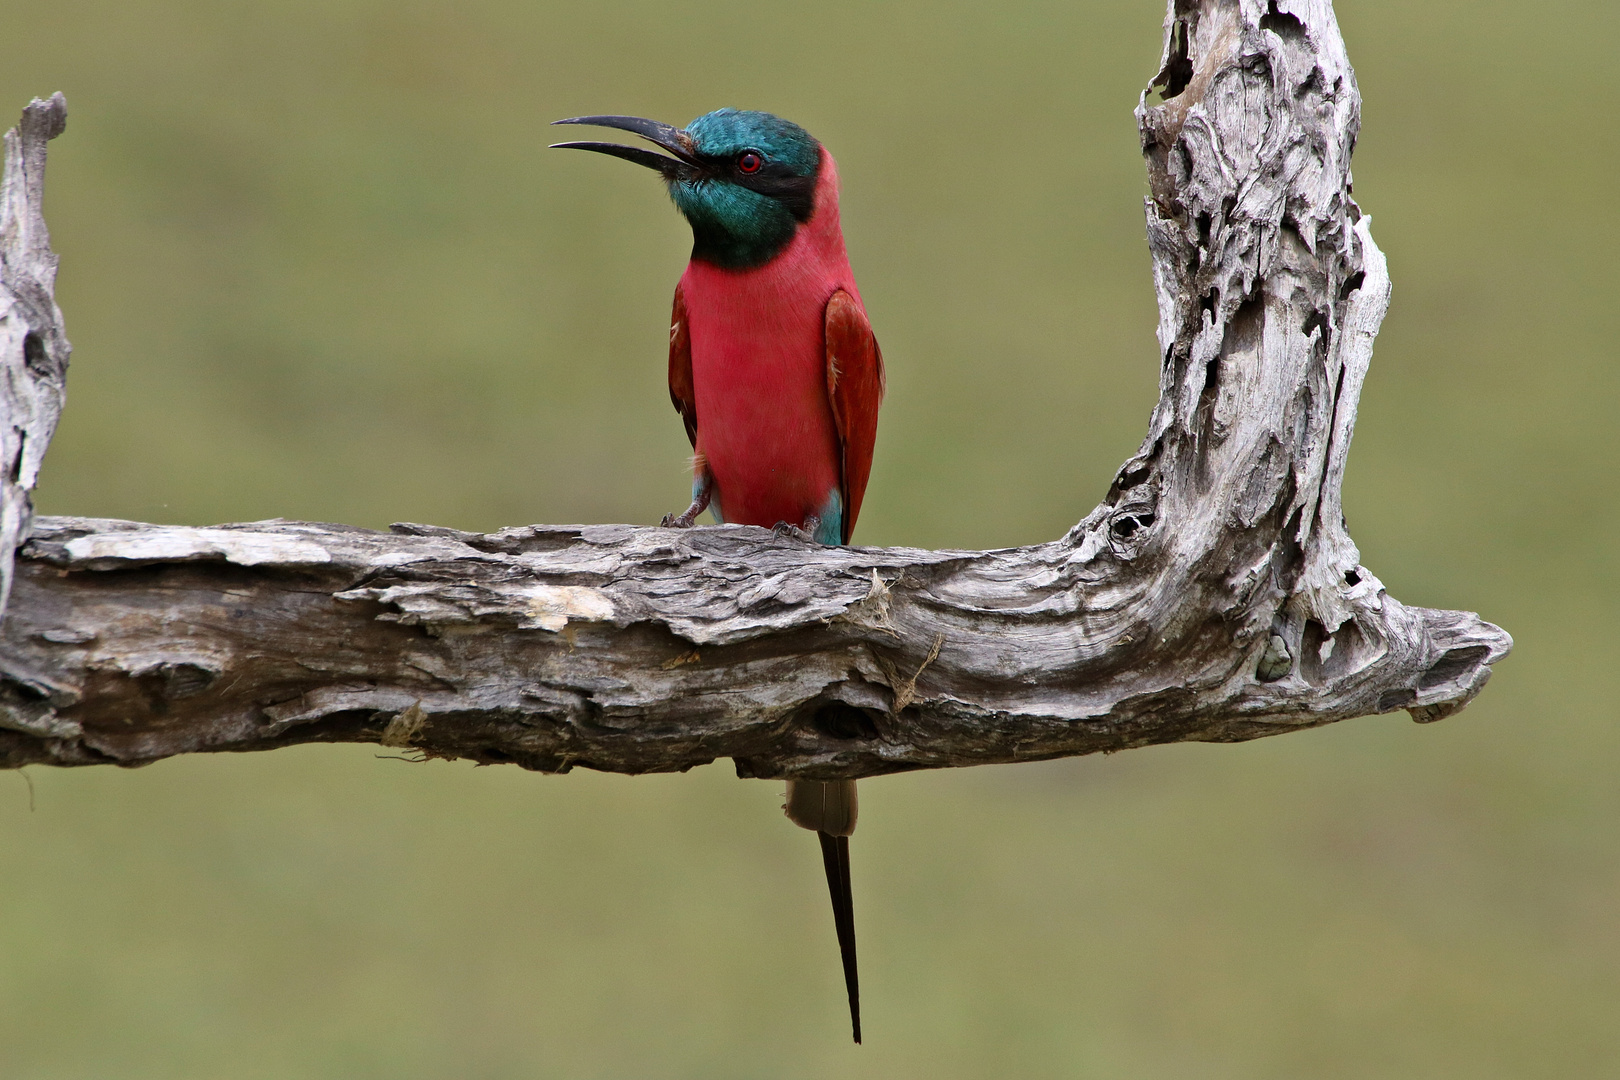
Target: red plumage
(777, 376)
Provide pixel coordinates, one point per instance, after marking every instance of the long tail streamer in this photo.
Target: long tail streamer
(835, 855)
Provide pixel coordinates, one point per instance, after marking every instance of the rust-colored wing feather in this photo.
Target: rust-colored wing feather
(680, 368)
(855, 388)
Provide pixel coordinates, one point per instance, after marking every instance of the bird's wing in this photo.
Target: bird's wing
(855, 388)
(680, 368)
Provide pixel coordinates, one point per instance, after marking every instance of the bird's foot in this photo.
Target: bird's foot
(806, 533)
(686, 520)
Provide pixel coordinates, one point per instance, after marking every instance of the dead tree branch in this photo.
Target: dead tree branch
(33, 347)
(1214, 595)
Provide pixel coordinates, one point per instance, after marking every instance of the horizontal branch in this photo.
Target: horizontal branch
(639, 650)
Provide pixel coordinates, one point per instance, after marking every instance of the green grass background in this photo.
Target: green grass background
(317, 263)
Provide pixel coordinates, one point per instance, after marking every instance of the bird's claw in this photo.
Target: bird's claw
(807, 535)
(700, 503)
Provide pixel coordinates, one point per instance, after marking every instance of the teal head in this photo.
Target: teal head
(745, 181)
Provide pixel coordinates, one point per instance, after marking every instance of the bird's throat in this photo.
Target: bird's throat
(732, 227)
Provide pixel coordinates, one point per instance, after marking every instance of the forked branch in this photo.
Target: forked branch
(1214, 595)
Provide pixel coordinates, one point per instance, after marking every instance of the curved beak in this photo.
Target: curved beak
(673, 139)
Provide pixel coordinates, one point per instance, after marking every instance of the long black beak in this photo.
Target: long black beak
(673, 139)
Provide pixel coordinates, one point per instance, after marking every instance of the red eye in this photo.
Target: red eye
(749, 162)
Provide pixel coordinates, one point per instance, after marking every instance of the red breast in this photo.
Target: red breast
(759, 377)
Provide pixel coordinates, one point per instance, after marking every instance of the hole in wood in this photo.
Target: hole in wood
(1212, 383)
(1126, 525)
(1317, 321)
(1284, 25)
(1178, 70)
(1325, 657)
(35, 357)
(842, 720)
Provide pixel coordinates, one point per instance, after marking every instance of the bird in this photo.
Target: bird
(773, 368)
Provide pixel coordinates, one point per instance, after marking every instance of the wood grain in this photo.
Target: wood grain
(34, 348)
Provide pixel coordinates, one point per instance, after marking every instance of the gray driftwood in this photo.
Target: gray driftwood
(1213, 595)
(33, 347)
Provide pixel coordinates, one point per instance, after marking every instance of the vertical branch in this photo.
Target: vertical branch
(34, 348)
(1270, 293)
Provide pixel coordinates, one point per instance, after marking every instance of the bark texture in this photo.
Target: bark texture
(33, 346)
(1215, 594)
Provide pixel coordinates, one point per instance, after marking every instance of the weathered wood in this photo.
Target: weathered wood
(33, 346)
(637, 649)
(1215, 594)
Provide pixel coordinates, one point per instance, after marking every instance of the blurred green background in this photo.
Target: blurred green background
(317, 263)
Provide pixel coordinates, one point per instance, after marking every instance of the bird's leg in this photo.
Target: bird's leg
(701, 493)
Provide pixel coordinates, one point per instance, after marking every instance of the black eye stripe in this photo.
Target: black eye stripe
(797, 193)
(773, 178)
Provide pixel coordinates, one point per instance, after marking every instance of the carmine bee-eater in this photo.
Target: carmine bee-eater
(772, 366)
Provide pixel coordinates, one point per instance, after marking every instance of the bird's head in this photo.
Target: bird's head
(745, 181)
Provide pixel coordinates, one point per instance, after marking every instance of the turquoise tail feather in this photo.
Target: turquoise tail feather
(831, 515)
